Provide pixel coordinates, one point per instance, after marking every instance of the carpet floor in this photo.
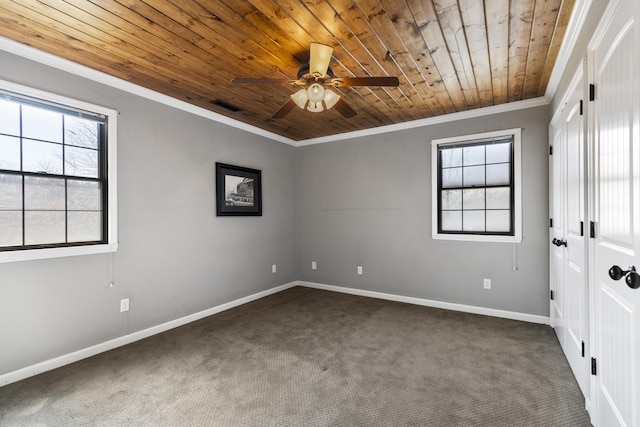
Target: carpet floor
(306, 357)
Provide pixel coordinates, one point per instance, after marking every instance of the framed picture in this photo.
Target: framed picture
(238, 191)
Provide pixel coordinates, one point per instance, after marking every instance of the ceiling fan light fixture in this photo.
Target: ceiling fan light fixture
(315, 92)
(300, 98)
(330, 98)
(315, 107)
(312, 84)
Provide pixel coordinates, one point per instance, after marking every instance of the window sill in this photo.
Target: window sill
(35, 254)
(477, 238)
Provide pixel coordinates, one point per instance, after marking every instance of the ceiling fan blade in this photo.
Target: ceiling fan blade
(365, 81)
(344, 109)
(250, 80)
(284, 110)
(320, 57)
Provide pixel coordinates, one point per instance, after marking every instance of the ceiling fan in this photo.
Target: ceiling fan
(315, 80)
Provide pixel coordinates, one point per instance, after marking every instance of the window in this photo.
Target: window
(476, 187)
(55, 175)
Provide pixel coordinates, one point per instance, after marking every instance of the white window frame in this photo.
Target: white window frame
(111, 244)
(516, 133)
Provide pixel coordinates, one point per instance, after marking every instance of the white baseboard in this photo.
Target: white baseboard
(75, 356)
(66, 359)
(532, 318)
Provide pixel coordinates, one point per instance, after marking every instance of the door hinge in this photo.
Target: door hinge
(592, 92)
(582, 228)
(582, 348)
(592, 231)
(581, 112)
(551, 295)
(594, 369)
(550, 222)
(551, 150)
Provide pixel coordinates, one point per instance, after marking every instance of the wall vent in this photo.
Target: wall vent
(225, 105)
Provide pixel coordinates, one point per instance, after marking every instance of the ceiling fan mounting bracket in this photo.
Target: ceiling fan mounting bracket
(308, 79)
(303, 73)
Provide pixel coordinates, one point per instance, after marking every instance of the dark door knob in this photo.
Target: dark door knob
(632, 278)
(559, 242)
(616, 273)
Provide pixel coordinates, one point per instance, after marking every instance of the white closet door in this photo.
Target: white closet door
(576, 285)
(569, 305)
(617, 215)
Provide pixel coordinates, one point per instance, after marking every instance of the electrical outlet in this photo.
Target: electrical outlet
(359, 270)
(273, 268)
(314, 266)
(124, 305)
(487, 283)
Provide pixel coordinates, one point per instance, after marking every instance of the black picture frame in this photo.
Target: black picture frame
(238, 191)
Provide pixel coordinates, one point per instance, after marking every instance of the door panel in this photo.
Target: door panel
(614, 307)
(617, 215)
(576, 277)
(557, 232)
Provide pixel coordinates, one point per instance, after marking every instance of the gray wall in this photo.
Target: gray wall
(175, 256)
(362, 202)
(367, 201)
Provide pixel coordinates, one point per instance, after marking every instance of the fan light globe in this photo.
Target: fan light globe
(300, 98)
(315, 92)
(330, 98)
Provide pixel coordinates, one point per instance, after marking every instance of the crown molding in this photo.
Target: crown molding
(462, 115)
(53, 61)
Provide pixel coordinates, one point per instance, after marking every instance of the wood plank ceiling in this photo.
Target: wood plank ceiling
(450, 55)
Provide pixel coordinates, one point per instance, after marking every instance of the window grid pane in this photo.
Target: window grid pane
(498, 153)
(52, 177)
(44, 194)
(84, 226)
(10, 228)
(41, 124)
(11, 190)
(482, 173)
(9, 118)
(44, 227)
(9, 152)
(41, 157)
